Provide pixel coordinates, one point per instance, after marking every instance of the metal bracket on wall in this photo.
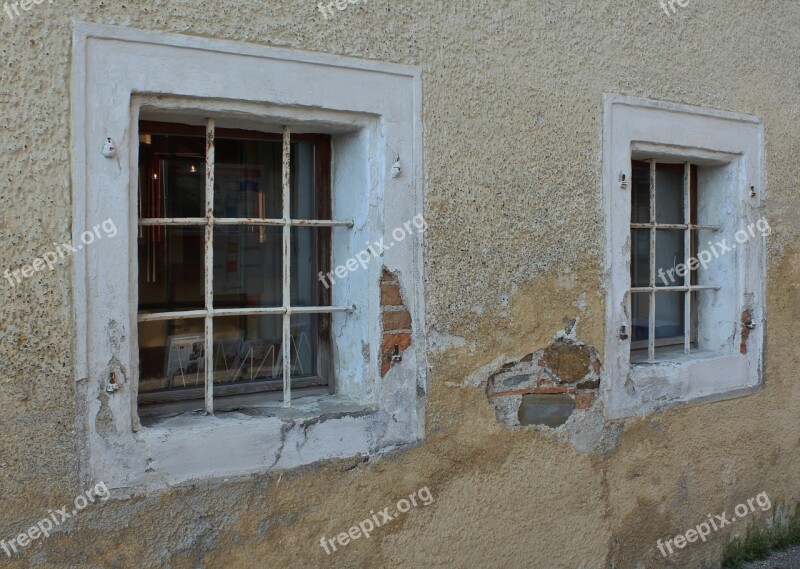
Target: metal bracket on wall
(395, 356)
(112, 386)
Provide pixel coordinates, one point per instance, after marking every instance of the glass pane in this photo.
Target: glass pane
(247, 178)
(308, 288)
(669, 254)
(247, 266)
(303, 180)
(171, 175)
(171, 355)
(306, 345)
(640, 194)
(248, 350)
(171, 265)
(669, 314)
(640, 257)
(640, 306)
(669, 193)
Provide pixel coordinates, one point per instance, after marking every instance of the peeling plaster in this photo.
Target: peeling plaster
(586, 430)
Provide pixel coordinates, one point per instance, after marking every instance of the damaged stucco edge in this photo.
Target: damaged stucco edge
(418, 258)
(79, 342)
(407, 265)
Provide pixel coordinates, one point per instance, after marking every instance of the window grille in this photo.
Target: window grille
(652, 233)
(209, 222)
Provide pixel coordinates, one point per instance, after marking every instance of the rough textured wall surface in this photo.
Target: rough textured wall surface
(513, 119)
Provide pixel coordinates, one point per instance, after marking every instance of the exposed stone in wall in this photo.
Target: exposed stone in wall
(396, 321)
(547, 386)
(568, 361)
(548, 410)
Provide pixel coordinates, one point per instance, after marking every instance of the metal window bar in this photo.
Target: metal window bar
(287, 270)
(687, 253)
(209, 271)
(209, 312)
(201, 221)
(688, 288)
(651, 335)
(674, 226)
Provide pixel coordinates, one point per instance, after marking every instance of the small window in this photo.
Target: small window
(685, 278)
(664, 240)
(234, 229)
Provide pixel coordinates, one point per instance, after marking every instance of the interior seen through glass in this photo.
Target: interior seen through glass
(247, 269)
(669, 252)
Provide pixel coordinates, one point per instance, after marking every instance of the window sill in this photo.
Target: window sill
(697, 377)
(152, 414)
(250, 439)
(673, 355)
(303, 409)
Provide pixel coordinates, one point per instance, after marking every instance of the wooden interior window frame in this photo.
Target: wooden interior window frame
(323, 222)
(690, 229)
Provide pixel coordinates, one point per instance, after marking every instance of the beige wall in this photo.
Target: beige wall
(513, 95)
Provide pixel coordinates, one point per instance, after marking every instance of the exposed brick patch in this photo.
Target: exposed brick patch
(747, 318)
(585, 399)
(390, 294)
(395, 320)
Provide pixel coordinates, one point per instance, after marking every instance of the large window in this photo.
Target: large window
(207, 344)
(234, 227)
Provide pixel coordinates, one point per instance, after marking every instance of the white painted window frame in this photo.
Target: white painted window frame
(373, 112)
(634, 127)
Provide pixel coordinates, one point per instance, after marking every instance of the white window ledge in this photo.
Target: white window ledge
(258, 439)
